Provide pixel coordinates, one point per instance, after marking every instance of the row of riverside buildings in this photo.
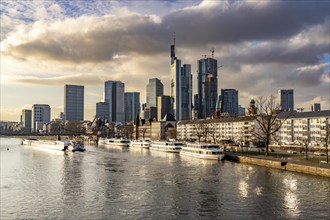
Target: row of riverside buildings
(298, 128)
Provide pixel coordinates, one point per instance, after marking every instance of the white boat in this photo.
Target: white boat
(202, 151)
(140, 144)
(167, 146)
(48, 144)
(115, 142)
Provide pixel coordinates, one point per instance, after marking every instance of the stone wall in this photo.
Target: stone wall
(284, 165)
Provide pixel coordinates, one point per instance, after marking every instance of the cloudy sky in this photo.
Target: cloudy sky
(263, 46)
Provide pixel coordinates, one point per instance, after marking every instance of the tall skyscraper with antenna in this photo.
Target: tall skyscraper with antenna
(181, 87)
(207, 86)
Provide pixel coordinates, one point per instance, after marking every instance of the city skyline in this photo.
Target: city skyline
(281, 45)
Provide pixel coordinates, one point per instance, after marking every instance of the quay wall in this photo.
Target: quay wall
(284, 165)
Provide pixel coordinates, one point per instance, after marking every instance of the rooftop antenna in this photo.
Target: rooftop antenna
(212, 51)
(174, 38)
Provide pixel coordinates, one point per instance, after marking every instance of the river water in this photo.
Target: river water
(116, 183)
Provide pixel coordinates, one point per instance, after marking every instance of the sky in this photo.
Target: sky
(263, 46)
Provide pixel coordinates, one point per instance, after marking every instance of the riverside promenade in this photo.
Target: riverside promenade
(283, 163)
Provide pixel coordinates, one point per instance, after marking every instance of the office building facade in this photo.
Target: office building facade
(114, 95)
(132, 105)
(229, 101)
(164, 106)
(74, 102)
(40, 116)
(102, 110)
(155, 88)
(286, 99)
(27, 119)
(207, 86)
(181, 88)
(316, 107)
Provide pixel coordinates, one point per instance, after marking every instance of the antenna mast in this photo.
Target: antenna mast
(212, 51)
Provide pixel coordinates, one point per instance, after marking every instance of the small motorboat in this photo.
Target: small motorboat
(78, 148)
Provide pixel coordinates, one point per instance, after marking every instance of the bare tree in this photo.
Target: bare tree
(199, 130)
(304, 142)
(213, 132)
(326, 140)
(205, 131)
(267, 119)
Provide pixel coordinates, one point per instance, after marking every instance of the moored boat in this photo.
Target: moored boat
(145, 144)
(202, 151)
(48, 144)
(115, 142)
(167, 146)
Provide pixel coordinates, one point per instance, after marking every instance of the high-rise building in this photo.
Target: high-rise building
(102, 110)
(164, 106)
(154, 88)
(181, 87)
(229, 101)
(132, 105)
(207, 86)
(40, 115)
(27, 119)
(74, 102)
(286, 99)
(241, 110)
(114, 95)
(316, 107)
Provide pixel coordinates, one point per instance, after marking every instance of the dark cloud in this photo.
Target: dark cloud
(241, 21)
(101, 38)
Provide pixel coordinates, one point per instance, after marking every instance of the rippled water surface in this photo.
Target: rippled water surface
(116, 183)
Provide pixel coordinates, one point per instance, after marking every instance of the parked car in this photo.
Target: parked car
(318, 153)
(292, 152)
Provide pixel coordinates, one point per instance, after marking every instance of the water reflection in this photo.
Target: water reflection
(291, 202)
(113, 149)
(164, 155)
(104, 183)
(243, 188)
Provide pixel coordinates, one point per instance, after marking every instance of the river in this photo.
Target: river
(116, 183)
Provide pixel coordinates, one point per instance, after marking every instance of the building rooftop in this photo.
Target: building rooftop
(294, 114)
(168, 117)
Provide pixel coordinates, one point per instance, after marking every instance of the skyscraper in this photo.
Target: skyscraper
(132, 105)
(286, 99)
(102, 110)
(164, 106)
(40, 115)
(27, 119)
(181, 87)
(74, 102)
(114, 95)
(154, 88)
(316, 107)
(207, 86)
(229, 101)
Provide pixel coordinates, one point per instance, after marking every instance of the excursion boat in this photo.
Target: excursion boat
(115, 142)
(202, 151)
(167, 146)
(65, 145)
(145, 144)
